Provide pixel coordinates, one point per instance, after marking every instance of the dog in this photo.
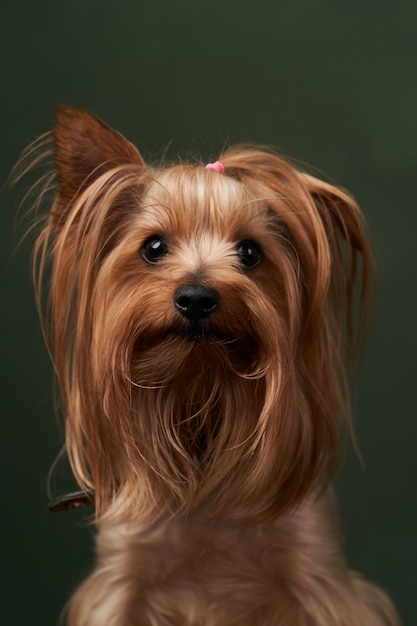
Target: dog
(203, 321)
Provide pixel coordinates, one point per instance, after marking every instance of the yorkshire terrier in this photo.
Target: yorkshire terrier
(203, 321)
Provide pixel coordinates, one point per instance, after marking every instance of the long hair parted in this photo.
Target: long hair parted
(244, 419)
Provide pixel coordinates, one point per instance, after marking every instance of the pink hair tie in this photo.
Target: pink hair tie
(219, 167)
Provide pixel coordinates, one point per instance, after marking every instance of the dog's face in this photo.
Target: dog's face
(195, 280)
(197, 325)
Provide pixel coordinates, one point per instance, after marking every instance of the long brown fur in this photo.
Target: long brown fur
(210, 454)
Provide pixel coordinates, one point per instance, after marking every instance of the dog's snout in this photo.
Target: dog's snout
(195, 302)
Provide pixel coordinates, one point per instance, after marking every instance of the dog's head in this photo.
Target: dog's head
(200, 323)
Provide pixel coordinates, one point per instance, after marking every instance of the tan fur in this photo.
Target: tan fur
(194, 572)
(210, 456)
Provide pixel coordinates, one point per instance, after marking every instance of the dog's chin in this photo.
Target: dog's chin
(184, 348)
(237, 351)
(200, 333)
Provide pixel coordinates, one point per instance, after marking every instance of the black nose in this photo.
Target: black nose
(195, 302)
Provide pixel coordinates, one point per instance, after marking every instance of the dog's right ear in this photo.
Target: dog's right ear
(85, 148)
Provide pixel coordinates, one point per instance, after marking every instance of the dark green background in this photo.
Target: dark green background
(332, 82)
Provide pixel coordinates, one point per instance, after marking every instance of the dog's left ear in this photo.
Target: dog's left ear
(353, 265)
(339, 212)
(86, 147)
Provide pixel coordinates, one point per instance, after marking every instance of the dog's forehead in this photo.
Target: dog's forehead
(187, 195)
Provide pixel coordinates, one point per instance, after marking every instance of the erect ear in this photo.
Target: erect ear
(85, 148)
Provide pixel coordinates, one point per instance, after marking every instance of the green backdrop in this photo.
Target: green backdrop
(332, 82)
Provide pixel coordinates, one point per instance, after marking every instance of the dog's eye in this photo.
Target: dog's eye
(250, 254)
(154, 249)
